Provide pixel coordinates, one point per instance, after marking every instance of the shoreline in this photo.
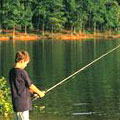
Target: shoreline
(60, 36)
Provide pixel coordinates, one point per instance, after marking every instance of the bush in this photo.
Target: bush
(5, 97)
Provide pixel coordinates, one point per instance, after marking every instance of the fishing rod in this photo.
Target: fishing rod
(75, 73)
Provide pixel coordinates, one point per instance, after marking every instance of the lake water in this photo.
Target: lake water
(93, 94)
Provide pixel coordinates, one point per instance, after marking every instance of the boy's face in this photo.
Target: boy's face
(24, 63)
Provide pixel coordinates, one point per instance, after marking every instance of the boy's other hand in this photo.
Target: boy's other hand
(41, 93)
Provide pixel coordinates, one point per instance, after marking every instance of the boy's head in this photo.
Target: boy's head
(22, 58)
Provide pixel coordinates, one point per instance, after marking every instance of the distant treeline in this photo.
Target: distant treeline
(56, 15)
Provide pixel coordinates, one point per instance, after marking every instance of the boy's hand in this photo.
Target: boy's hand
(35, 95)
(37, 91)
(41, 94)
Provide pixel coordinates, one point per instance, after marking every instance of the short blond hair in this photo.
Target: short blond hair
(22, 55)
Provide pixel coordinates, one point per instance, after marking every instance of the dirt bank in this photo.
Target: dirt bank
(60, 36)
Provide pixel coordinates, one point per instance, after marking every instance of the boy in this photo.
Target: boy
(21, 86)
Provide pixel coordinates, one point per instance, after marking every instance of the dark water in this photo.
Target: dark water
(94, 94)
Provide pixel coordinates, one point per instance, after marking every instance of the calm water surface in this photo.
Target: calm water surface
(94, 94)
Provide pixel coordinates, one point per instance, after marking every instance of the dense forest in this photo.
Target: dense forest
(56, 15)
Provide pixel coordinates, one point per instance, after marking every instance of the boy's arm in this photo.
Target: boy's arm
(33, 88)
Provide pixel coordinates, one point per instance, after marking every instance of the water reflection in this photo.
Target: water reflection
(92, 94)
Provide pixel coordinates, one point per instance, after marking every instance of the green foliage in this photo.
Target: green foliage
(5, 97)
(12, 13)
(56, 15)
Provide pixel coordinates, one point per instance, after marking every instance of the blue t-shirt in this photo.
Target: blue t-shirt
(20, 82)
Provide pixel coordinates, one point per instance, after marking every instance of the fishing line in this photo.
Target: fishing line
(83, 68)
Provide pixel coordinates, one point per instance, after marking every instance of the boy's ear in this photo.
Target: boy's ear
(21, 61)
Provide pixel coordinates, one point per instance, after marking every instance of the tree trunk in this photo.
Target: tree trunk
(101, 27)
(25, 30)
(110, 33)
(52, 30)
(94, 28)
(0, 28)
(13, 32)
(43, 29)
(38, 23)
(72, 30)
(80, 31)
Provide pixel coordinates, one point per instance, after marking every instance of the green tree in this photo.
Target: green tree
(112, 15)
(97, 13)
(41, 13)
(55, 15)
(26, 15)
(82, 14)
(12, 13)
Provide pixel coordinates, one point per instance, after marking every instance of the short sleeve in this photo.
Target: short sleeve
(26, 78)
